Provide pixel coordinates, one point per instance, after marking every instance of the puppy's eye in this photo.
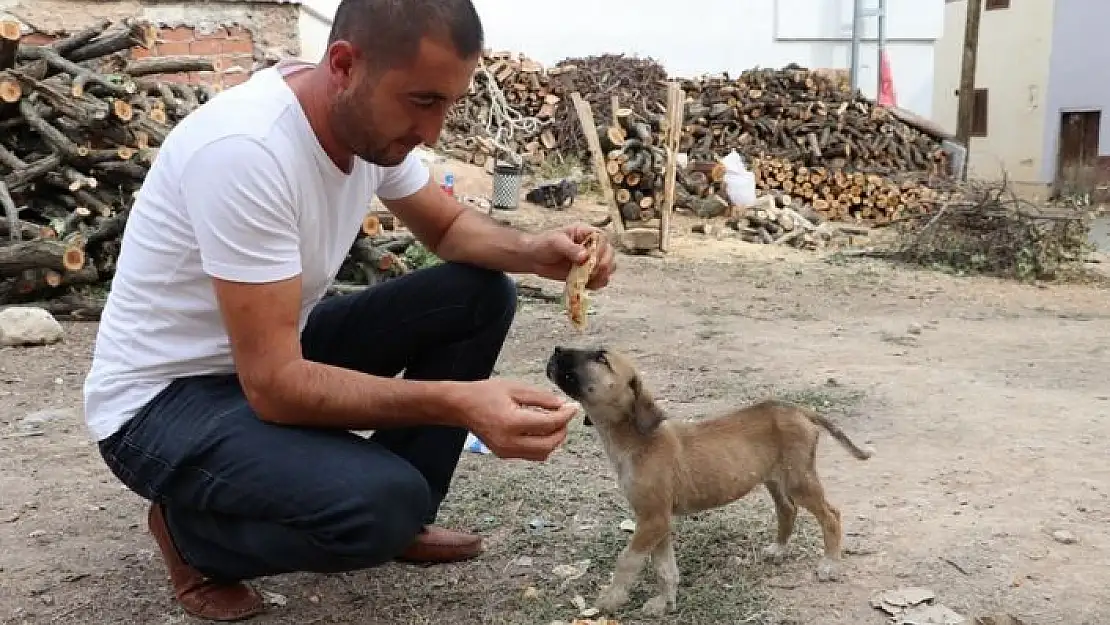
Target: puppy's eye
(599, 357)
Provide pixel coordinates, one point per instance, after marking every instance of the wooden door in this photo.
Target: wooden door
(1077, 152)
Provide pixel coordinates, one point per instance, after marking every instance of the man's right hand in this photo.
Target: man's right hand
(513, 419)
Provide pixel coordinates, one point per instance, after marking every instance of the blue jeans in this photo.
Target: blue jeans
(244, 498)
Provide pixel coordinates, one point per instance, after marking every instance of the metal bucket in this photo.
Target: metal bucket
(506, 185)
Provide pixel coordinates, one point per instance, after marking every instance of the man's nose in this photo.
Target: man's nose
(430, 128)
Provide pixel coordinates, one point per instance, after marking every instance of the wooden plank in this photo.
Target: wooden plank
(676, 105)
(589, 129)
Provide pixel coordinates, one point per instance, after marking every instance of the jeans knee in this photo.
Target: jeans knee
(380, 518)
(495, 291)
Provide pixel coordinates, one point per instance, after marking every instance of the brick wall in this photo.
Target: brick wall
(231, 48)
(233, 33)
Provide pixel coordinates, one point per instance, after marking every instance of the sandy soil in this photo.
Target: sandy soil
(987, 403)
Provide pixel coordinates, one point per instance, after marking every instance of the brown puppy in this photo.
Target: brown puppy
(670, 467)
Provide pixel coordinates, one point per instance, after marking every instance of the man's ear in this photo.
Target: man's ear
(646, 414)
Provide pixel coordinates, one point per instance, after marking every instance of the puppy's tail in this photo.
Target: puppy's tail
(838, 434)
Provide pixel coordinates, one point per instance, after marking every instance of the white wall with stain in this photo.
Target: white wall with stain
(1015, 47)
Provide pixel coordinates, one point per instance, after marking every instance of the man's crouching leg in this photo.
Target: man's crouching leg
(237, 498)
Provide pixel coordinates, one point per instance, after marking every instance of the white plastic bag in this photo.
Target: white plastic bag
(739, 182)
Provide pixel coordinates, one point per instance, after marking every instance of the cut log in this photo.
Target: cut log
(81, 75)
(18, 257)
(168, 65)
(10, 35)
(10, 89)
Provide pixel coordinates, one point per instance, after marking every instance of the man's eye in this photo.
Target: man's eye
(424, 102)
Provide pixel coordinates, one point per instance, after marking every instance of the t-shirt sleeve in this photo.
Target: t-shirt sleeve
(405, 179)
(242, 210)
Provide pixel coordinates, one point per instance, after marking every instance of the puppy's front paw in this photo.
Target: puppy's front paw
(657, 606)
(611, 599)
(774, 553)
(828, 570)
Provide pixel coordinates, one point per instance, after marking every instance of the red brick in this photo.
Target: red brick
(209, 46)
(238, 32)
(230, 80)
(216, 33)
(177, 34)
(229, 61)
(237, 46)
(179, 78)
(139, 52)
(172, 48)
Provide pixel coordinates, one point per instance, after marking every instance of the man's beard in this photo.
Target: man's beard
(361, 135)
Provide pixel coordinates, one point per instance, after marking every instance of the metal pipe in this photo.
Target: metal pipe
(857, 17)
(881, 46)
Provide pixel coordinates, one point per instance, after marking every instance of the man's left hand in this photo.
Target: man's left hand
(554, 251)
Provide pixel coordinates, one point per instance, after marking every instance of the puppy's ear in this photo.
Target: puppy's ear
(646, 414)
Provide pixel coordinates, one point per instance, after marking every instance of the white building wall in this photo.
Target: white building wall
(315, 24)
(1015, 49)
(710, 36)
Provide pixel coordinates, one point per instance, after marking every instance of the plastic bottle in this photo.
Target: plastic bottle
(449, 184)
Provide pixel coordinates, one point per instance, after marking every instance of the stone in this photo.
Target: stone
(28, 326)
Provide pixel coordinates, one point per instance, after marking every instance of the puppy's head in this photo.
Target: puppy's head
(608, 386)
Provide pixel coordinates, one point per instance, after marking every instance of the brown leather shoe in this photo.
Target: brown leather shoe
(435, 544)
(198, 596)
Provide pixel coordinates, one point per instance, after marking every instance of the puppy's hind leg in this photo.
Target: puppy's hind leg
(786, 512)
(809, 494)
(666, 568)
(648, 535)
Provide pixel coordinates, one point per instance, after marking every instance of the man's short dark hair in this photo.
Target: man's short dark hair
(389, 31)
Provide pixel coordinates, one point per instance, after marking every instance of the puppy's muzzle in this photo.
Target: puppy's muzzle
(562, 370)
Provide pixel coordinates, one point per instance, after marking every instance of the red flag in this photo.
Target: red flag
(886, 84)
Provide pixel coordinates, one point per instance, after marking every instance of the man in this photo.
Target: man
(224, 387)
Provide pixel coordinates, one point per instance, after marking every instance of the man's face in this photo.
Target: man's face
(382, 116)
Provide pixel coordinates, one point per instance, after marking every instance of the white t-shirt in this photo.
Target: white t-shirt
(241, 190)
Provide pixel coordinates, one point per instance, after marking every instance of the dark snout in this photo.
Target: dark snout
(562, 370)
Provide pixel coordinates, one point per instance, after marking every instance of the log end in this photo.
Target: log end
(73, 259)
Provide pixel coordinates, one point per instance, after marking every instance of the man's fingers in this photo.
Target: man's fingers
(531, 396)
(537, 423)
(538, 448)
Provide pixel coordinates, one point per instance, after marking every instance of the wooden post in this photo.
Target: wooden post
(676, 106)
(965, 115)
(589, 129)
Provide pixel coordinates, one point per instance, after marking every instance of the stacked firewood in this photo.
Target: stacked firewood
(517, 107)
(635, 160)
(80, 124)
(807, 117)
(511, 103)
(835, 194)
(634, 84)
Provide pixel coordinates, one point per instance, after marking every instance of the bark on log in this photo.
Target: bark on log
(18, 257)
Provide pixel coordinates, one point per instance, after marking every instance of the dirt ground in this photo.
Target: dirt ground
(987, 403)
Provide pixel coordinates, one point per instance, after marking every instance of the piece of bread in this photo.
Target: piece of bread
(575, 294)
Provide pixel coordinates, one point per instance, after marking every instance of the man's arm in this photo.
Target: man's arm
(454, 232)
(244, 217)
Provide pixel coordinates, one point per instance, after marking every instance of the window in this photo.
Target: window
(992, 5)
(979, 110)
